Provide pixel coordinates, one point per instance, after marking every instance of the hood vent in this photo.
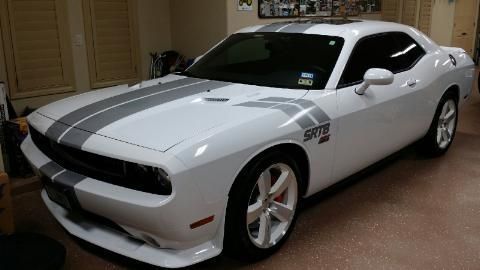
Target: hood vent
(216, 99)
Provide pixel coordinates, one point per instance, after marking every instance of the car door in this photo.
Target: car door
(381, 121)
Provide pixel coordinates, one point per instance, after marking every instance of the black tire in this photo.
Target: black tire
(237, 242)
(429, 144)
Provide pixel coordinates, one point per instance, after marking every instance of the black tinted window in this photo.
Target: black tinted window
(371, 52)
(283, 60)
(392, 51)
(409, 50)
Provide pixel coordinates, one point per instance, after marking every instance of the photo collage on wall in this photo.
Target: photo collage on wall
(310, 8)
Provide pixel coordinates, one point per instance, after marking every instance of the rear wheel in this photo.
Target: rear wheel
(442, 131)
(262, 207)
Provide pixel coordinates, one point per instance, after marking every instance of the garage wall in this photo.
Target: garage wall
(153, 30)
(154, 35)
(197, 26)
(240, 19)
(191, 27)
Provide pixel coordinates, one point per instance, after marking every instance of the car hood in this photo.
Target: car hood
(156, 117)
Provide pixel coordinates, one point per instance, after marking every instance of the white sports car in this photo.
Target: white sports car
(174, 170)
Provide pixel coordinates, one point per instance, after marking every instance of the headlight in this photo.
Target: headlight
(149, 179)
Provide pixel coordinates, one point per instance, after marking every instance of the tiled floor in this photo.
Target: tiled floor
(412, 213)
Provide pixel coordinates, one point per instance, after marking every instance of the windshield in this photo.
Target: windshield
(285, 60)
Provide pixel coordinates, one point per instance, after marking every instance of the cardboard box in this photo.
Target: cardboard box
(6, 212)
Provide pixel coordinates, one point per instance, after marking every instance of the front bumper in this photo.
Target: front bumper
(128, 246)
(157, 226)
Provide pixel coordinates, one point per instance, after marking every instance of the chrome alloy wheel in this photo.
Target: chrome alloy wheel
(272, 205)
(446, 124)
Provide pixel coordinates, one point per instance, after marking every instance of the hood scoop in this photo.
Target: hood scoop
(209, 99)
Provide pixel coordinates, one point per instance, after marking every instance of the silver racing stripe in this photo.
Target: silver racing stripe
(256, 104)
(50, 169)
(81, 132)
(69, 178)
(302, 111)
(274, 27)
(297, 114)
(63, 124)
(318, 114)
(277, 99)
(297, 28)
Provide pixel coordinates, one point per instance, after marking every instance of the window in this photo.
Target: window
(396, 52)
(111, 39)
(37, 47)
(409, 51)
(284, 60)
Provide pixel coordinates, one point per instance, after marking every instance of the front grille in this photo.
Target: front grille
(102, 168)
(82, 162)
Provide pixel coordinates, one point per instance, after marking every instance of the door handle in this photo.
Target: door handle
(412, 83)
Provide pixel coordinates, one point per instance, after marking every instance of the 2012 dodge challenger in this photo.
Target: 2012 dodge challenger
(174, 170)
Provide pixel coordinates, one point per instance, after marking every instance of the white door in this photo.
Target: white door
(383, 120)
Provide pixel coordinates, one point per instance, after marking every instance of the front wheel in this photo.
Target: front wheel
(262, 207)
(443, 128)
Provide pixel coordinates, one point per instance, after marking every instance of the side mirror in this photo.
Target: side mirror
(375, 76)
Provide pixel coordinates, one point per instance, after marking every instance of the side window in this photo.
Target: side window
(409, 50)
(372, 52)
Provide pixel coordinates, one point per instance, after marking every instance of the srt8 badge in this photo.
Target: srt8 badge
(322, 132)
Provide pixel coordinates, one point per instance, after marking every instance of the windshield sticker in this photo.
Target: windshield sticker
(332, 43)
(307, 75)
(306, 82)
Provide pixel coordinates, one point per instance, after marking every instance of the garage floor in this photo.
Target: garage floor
(410, 213)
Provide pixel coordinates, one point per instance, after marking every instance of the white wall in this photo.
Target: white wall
(197, 26)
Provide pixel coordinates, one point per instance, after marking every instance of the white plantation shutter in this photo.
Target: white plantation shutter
(409, 12)
(425, 17)
(37, 47)
(390, 10)
(110, 27)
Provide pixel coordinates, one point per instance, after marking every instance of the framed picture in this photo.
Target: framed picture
(370, 6)
(278, 8)
(245, 5)
(350, 6)
(316, 8)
